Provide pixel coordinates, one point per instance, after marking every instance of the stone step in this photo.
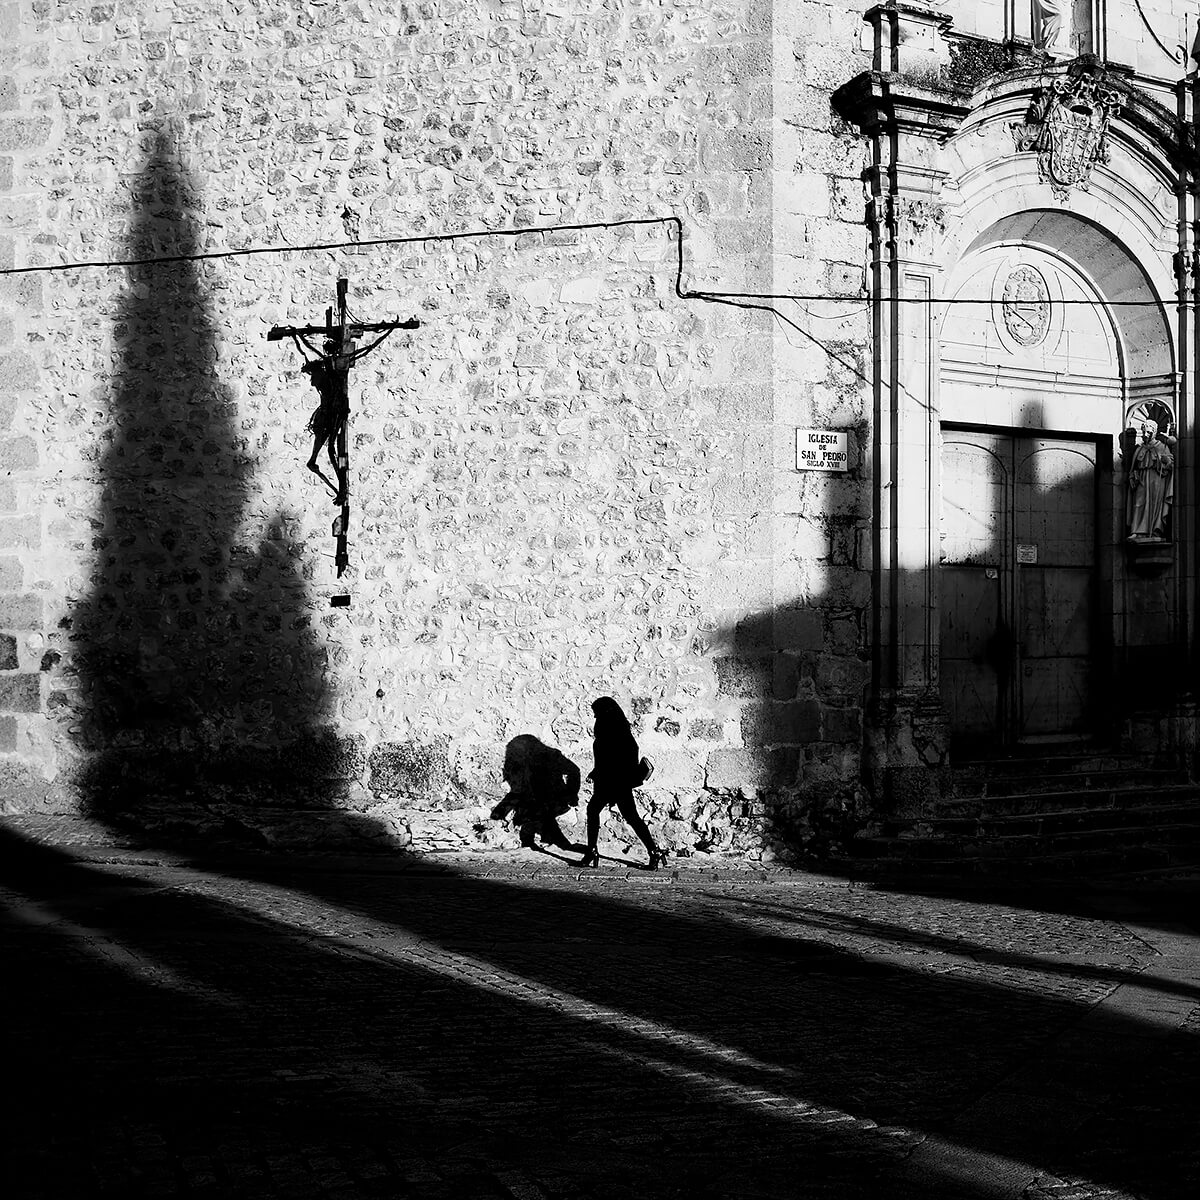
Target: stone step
(1045, 822)
(1022, 803)
(970, 783)
(1019, 837)
(1117, 830)
(1132, 801)
(1095, 862)
(1077, 798)
(1179, 838)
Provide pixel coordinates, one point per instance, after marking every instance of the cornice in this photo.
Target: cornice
(887, 101)
(882, 101)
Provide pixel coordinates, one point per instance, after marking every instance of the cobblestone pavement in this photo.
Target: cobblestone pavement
(508, 1026)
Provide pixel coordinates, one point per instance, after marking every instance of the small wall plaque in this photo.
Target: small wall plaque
(1027, 554)
(822, 450)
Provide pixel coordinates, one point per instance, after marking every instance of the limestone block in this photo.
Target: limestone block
(8, 652)
(772, 723)
(739, 402)
(17, 371)
(22, 789)
(742, 677)
(18, 454)
(844, 280)
(785, 681)
(410, 768)
(799, 629)
(840, 676)
(706, 729)
(841, 724)
(23, 531)
(20, 693)
(744, 584)
(23, 133)
(12, 573)
(20, 612)
(325, 754)
(751, 768)
(581, 291)
(672, 769)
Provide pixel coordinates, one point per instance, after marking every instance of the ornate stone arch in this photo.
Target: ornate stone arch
(952, 173)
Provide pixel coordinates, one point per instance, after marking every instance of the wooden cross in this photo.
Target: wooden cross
(330, 374)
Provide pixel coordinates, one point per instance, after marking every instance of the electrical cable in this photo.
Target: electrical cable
(677, 222)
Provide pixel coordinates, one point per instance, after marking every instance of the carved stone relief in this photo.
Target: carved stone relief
(1025, 306)
(1067, 125)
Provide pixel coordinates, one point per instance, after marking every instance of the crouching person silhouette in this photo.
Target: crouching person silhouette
(617, 771)
(543, 783)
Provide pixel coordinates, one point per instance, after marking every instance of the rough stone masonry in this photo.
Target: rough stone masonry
(568, 482)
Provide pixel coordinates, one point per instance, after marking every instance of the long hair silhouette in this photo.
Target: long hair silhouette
(614, 776)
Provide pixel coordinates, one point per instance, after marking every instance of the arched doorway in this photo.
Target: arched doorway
(1051, 344)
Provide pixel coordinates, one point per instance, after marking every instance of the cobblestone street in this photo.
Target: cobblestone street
(508, 1026)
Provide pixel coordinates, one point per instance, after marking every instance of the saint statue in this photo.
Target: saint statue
(1151, 483)
(1047, 24)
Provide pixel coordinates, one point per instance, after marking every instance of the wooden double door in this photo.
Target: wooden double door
(1019, 594)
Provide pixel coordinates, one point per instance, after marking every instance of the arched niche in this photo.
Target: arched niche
(1107, 330)
(1053, 339)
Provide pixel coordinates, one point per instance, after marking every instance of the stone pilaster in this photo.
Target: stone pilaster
(908, 114)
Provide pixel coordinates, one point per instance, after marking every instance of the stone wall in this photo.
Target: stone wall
(568, 482)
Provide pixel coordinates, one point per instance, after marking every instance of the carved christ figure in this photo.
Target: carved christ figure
(330, 376)
(1047, 23)
(1151, 483)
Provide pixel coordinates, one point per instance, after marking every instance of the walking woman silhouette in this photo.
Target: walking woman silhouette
(614, 776)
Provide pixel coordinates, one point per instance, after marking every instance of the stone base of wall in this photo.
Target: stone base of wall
(329, 793)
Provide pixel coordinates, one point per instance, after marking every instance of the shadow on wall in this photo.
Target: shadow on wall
(195, 654)
(798, 677)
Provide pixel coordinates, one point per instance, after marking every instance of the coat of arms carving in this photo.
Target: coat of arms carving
(1025, 305)
(1067, 126)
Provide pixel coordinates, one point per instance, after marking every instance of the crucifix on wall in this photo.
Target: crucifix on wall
(329, 372)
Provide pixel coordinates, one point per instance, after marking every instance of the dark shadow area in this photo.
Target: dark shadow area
(200, 676)
(439, 1036)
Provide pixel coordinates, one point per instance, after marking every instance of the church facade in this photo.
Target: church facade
(816, 381)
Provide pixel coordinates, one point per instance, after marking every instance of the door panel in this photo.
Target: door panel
(1017, 584)
(1056, 515)
(976, 518)
(970, 679)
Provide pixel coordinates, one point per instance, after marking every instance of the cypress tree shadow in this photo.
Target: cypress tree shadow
(196, 659)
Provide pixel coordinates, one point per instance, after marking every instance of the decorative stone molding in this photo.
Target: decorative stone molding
(918, 216)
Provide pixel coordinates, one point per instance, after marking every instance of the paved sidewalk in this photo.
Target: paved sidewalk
(201, 1024)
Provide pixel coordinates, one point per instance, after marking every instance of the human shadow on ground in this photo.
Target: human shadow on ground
(199, 668)
(597, 1042)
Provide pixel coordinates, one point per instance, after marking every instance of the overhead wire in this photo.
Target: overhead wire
(672, 220)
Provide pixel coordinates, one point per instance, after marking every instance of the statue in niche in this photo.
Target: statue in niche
(1151, 475)
(1047, 24)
